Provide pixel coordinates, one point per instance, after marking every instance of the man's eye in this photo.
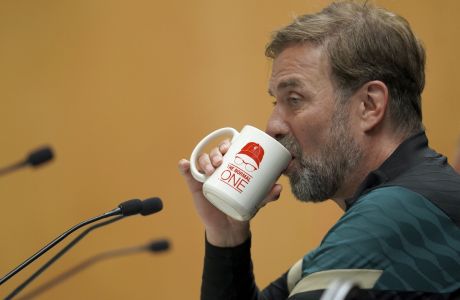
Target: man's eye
(274, 102)
(293, 100)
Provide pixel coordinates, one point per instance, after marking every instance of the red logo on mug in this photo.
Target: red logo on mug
(250, 157)
(246, 161)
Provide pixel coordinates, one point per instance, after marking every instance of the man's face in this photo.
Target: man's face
(309, 121)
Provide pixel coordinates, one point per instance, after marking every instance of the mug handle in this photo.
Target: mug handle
(195, 173)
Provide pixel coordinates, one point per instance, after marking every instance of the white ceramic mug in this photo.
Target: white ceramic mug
(249, 170)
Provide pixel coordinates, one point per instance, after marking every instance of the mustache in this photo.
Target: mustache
(291, 144)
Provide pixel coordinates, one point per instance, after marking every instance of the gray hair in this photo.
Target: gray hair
(365, 43)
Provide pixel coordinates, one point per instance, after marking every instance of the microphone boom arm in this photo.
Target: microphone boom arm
(53, 243)
(58, 255)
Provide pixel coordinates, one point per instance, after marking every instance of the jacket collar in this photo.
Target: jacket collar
(409, 153)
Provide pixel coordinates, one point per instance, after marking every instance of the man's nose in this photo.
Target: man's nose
(276, 125)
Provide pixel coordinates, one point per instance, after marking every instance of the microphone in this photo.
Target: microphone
(146, 207)
(130, 207)
(151, 206)
(34, 159)
(39, 156)
(156, 246)
(127, 208)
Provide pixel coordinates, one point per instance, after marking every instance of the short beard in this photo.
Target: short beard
(318, 177)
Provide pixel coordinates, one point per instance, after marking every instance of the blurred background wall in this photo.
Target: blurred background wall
(122, 90)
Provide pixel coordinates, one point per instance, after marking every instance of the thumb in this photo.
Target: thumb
(184, 169)
(273, 195)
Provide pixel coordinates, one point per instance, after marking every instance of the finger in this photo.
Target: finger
(224, 146)
(204, 162)
(184, 170)
(216, 157)
(184, 167)
(273, 195)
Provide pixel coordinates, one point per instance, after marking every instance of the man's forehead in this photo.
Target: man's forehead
(297, 63)
(298, 53)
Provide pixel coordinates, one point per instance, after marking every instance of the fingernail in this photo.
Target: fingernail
(180, 166)
(209, 169)
(223, 146)
(214, 159)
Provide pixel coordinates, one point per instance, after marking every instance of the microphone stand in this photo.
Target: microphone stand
(155, 246)
(34, 159)
(111, 213)
(80, 267)
(58, 255)
(127, 208)
(16, 166)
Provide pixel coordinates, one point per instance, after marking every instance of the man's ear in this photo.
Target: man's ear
(373, 104)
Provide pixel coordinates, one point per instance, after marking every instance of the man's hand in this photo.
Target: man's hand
(221, 230)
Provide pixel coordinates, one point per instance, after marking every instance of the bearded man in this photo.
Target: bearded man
(347, 84)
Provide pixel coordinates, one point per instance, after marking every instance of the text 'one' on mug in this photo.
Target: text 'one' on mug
(249, 169)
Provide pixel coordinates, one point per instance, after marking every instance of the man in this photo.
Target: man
(347, 84)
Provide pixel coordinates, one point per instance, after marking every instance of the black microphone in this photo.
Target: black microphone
(151, 206)
(145, 208)
(156, 246)
(127, 208)
(130, 207)
(39, 156)
(34, 159)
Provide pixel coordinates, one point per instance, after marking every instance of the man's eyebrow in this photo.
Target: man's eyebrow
(291, 82)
